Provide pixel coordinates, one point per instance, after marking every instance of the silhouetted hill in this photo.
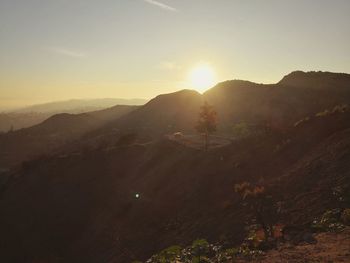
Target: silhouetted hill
(166, 113)
(317, 80)
(55, 132)
(296, 96)
(32, 115)
(15, 121)
(277, 106)
(80, 106)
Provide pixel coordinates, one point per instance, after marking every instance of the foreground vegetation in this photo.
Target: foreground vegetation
(263, 236)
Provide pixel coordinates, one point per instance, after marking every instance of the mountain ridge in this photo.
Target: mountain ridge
(275, 105)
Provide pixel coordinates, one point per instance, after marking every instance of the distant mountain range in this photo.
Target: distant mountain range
(32, 115)
(79, 105)
(68, 185)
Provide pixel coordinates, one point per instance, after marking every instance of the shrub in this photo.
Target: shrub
(262, 205)
(171, 253)
(200, 248)
(250, 254)
(345, 216)
(329, 221)
(202, 252)
(231, 252)
(342, 195)
(167, 255)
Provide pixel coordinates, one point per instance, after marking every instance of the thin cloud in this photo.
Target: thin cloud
(67, 52)
(161, 5)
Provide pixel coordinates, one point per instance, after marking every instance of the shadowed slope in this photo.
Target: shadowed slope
(165, 113)
(53, 133)
(280, 105)
(82, 206)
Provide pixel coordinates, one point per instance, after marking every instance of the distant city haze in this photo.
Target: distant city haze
(57, 50)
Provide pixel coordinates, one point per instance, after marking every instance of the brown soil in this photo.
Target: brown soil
(330, 247)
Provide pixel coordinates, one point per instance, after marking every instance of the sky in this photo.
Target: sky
(61, 49)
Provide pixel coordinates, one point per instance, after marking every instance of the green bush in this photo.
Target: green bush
(167, 255)
(200, 248)
(202, 252)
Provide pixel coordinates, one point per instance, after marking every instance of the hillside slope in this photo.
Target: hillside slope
(82, 206)
(279, 105)
(55, 132)
(35, 114)
(276, 106)
(296, 96)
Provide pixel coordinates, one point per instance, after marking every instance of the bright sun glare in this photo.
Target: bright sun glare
(202, 77)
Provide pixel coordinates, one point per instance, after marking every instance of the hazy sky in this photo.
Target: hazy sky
(61, 49)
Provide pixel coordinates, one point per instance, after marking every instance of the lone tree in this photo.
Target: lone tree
(207, 122)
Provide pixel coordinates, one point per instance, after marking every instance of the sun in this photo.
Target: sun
(202, 77)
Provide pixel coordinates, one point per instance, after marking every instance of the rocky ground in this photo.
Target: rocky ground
(330, 247)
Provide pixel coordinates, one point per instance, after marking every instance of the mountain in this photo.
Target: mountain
(278, 105)
(164, 114)
(79, 106)
(82, 206)
(32, 115)
(317, 80)
(296, 96)
(115, 189)
(55, 132)
(14, 121)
